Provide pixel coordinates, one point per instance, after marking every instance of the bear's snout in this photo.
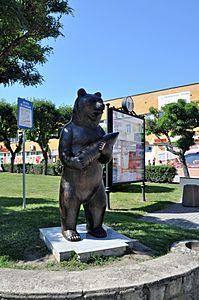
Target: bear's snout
(100, 105)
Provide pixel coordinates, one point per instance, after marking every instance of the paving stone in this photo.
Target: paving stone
(177, 215)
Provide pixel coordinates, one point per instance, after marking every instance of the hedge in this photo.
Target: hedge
(160, 173)
(53, 169)
(153, 173)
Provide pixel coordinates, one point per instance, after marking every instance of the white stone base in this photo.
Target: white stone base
(115, 244)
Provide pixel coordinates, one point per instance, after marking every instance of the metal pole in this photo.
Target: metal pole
(107, 188)
(143, 191)
(24, 169)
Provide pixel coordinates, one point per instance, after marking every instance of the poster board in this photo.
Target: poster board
(128, 163)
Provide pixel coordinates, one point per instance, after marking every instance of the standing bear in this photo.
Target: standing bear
(83, 149)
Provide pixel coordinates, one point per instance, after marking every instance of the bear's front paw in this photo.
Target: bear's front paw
(101, 146)
(82, 161)
(106, 149)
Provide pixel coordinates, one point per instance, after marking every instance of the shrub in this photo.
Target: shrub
(51, 169)
(6, 167)
(37, 169)
(30, 168)
(58, 167)
(160, 173)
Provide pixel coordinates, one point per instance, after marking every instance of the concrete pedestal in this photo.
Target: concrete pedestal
(115, 244)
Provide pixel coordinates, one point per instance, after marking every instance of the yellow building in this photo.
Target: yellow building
(142, 103)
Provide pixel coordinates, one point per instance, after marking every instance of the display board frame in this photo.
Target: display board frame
(111, 128)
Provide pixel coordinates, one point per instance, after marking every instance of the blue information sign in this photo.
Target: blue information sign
(25, 114)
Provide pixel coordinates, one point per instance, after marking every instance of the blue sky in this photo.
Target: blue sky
(119, 48)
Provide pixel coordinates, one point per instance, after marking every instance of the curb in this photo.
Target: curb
(175, 275)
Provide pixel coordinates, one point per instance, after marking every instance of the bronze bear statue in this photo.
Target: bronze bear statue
(83, 149)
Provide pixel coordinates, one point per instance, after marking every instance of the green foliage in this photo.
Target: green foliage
(29, 168)
(53, 169)
(58, 167)
(175, 119)
(65, 113)
(8, 129)
(23, 26)
(8, 121)
(47, 121)
(37, 169)
(153, 173)
(160, 173)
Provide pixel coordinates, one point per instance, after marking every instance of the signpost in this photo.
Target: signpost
(24, 121)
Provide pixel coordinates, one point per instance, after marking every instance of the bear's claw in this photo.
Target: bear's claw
(71, 235)
(98, 232)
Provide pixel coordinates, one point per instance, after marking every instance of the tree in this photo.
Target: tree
(47, 121)
(45, 126)
(65, 113)
(175, 120)
(24, 24)
(9, 130)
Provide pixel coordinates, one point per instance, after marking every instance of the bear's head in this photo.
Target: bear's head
(88, 109)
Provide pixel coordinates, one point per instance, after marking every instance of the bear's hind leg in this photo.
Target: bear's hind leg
(68, 223)
(94, 211)
(69, 211)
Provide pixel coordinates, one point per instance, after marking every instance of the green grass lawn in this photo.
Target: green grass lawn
(19, 228)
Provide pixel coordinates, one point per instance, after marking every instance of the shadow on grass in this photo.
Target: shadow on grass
(147, 207)
(19, 230)
(17, 202)
(136, 188)
(159, 237)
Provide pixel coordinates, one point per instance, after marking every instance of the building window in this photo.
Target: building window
(128, 128)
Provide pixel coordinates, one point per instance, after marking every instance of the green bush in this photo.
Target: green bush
(6, 167)
(160, 173)
(58, 167)
(37, 169)
(53, 168)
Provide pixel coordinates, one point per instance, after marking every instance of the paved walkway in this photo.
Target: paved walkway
(176, 214)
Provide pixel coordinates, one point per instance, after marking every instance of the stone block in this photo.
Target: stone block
(157, 292)
(174, 288)
(115, 244)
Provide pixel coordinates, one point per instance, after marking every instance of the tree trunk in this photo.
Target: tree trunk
(184, 165)
(45, 155)
(12, 162)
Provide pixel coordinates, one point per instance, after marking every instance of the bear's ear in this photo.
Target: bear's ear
(81, 92)
(98, 94)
